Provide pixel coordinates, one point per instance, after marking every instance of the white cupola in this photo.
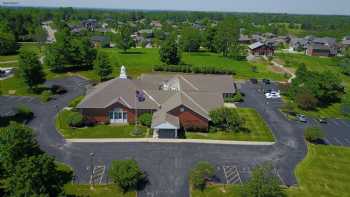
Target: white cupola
(122, 74)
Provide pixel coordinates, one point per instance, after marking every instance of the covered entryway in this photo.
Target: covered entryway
(167, 133)
(118, 116)
(165, 125)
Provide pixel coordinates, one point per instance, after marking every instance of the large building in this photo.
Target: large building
(176, 101)
(261, 49)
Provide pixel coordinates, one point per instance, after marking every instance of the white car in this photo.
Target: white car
(273, 95)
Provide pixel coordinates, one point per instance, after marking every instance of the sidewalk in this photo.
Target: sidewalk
(152, 140)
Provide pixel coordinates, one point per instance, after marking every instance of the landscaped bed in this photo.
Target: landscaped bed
(96, 191)
(217, 190)
(255, 129)
(97, 131)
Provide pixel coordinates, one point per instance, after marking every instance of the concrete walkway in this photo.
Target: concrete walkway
(285, 70)
(152, 140)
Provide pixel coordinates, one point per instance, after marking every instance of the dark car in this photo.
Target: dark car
(322, 120)
(266, 81)
(301, 118)
(254, 81)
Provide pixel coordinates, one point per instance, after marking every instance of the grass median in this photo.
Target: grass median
(97, 131)
(256, 129)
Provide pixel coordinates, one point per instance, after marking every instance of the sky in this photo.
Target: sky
(332, 7)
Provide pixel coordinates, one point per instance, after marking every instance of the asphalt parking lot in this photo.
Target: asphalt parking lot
(337, 132)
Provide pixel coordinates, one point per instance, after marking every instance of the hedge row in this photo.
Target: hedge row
(194, 69)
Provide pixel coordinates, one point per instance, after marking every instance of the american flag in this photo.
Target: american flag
(140, 96)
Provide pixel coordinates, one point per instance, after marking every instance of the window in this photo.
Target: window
(182, 109)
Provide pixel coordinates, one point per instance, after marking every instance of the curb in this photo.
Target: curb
(151, 140)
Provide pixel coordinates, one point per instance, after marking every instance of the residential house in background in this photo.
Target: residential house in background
(89, 24)
(156, 24)
(345, 43)
(261, 49)
(322, 47)
(100, 41)
(179, 102)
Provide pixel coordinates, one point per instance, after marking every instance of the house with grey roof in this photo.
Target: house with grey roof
(261, 49)
(176, 102)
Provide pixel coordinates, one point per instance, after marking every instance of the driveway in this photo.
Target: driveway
(168, 164)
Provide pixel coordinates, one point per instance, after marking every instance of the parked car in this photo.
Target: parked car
(322, 120)
(266, 81)
(301, 118)
(272, 95)
(254, 81)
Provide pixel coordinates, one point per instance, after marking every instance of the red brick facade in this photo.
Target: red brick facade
(190, 120)
(263, 50)
(101, 115)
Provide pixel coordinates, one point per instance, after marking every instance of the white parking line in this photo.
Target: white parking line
(338, 141)
(347, 141)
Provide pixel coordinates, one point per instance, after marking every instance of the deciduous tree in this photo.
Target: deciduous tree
(169, 51)
(31, 69)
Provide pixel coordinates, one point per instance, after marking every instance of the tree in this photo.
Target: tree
(263, 183)
(102, 66)
(169, 51)
(31, 69)
(54, 58)
(202, 173)
(126, 174)
(190, 39)
(16, 142)
(227, 37)
(40, 35)
(81, 53)
(124, 40)
(209, 39)
(7, 44)
(146, 119)
(305, 99)
(35, 176)
(226, 118)
(312, 134)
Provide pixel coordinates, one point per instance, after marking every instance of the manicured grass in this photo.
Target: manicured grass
(258, 129)
(216, 191)
(97, 131)
(324, 172)
(30, 46)
(140, 60)
(96, 191)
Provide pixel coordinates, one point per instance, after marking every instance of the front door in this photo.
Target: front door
(118, 116)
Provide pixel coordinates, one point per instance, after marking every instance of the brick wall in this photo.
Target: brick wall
(190, 120)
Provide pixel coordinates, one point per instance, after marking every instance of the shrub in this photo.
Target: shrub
(193, 69)
(312, 134)
(126, 174)
(226, 118)
(75, 119)
(73, 103)
(146, 119)
(46, 95)
(263, 183)
(24, 112)
(201, 174)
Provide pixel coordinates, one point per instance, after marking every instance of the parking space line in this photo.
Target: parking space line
(338, 141)
(347, 141)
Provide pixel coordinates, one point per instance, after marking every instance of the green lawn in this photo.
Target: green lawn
(258, 129)
(97, 131)
(30, 46)
(324, 172)
(216, 191)
(140, 60)
(96, 191)
(320, 64)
